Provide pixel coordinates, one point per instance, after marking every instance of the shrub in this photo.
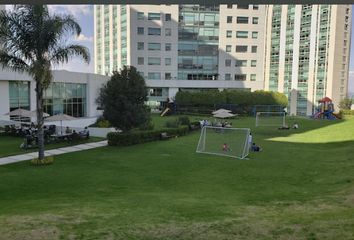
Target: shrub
(184, 120)
(136, 137)
(173, 123)
(147, 126)
(346, 112)
(46, 161)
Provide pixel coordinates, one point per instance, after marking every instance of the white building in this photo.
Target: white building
(300, 50)
(70, 93)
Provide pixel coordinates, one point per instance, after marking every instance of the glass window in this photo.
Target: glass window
(167, 61)
(253, 63)
(140, 31)
(168, 17)
(229, 6)
(154, 76)
(254, 49)
(155, 92)
(241, 34)
(140, 45)
(154, 16)
(240, 6)
(229, 19)
(255, 7)
(168, 32)
(228, 34)
(255, 35)
(227, 76)
(154, 61)
(241, 48)
(241, 63)
(140, 15)
(154, 31)
(168, 76)
(240, 77)
(253, 77)
(242, 20)
(140, 61)
(255, 20)
(168, 47)
(228, 48)
(227, 62)
(154, 46)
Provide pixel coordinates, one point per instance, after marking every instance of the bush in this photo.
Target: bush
(46, 161)
(147, 126)
(173, 123)
(245, 100)
(346, 112)
(101, 123)
(184, 120)
(136, 137)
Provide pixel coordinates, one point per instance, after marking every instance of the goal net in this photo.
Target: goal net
(274, 119)
(230, 142)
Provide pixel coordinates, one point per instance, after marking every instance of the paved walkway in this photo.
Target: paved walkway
(53, 152)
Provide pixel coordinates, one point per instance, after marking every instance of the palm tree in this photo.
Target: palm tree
(33, 41)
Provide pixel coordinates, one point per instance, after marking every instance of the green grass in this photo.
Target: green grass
(11, 145)
(301, 186)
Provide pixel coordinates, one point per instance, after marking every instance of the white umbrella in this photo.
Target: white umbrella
(35, 114)
(224, 115)
(20, 112)
(221, 110)
(61, 118)
(8, 122)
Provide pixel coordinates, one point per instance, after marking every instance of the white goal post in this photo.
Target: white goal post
(230, 142)
(272, 119)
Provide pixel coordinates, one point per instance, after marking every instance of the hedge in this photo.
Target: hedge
(136, 137)
(244, 99)
(346, 112)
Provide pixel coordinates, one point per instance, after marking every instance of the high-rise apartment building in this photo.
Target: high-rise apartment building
(307, 55)
(300, 50)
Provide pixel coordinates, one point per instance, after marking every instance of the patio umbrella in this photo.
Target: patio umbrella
(61, 118)
(224, 115)
(8, 122)
(21, 112)
(221, 110)
(35, 114)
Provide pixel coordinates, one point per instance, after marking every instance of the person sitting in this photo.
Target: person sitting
(74, 136)
(85, 133)
(295, 126)
(68, 130)
(284, 127)
(225, 147)
(256, 148)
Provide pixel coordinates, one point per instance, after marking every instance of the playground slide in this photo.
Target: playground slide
(317, 115)
(165, 111)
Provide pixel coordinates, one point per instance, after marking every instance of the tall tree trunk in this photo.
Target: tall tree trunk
(40, 135)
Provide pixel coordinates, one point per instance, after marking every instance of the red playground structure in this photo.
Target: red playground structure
(325, 110)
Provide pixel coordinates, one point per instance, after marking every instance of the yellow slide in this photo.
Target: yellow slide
(164, 112)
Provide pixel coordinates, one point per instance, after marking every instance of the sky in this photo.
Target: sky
(84, 16)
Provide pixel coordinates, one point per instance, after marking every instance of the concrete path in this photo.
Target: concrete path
(53, 152)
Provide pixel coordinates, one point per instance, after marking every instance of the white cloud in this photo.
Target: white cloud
(351, 83)
(77, 65)
(75, 10)
(83, 38)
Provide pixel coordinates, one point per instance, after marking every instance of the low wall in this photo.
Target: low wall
(94, 132)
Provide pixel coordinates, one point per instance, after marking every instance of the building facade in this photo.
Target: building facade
(300, 50)
(308, 53)
(183, 47)
(71, 93)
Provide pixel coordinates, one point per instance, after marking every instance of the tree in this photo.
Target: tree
(33, 41)
(345, 104)
(123, 99)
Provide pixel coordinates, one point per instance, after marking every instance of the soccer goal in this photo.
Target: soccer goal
(230, 142)
(273, 119)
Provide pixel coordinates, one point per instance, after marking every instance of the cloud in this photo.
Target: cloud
(75, 10)
(351, 83)
(83, 38)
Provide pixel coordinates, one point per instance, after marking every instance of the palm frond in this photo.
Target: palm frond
(13, 62)
(63, 54)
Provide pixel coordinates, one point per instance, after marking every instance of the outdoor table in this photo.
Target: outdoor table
(58, 137)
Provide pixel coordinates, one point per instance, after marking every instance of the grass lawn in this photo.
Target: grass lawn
(11, 145)
(301, 186)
